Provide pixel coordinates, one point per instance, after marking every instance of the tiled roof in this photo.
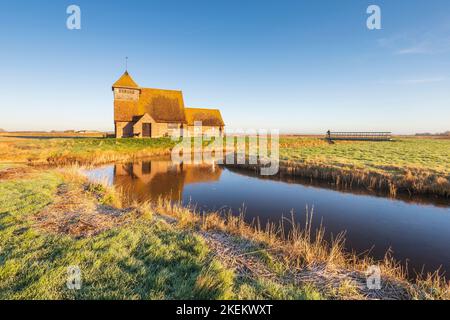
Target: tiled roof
(162, 105)
(125, 81)
(208, 117)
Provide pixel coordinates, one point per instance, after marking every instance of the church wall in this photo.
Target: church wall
(124, 129)
(159, 130)
(165, 129)
(212, 130)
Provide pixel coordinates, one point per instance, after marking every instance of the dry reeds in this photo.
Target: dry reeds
(302, 248)
(410, 181)
(301, 244)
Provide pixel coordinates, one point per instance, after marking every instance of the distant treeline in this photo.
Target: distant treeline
(446, 133)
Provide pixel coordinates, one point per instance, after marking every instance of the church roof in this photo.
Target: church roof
(208, 117)
(125, 81)
(161, 105)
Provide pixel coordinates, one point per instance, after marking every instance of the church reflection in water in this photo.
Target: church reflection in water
(150, 180)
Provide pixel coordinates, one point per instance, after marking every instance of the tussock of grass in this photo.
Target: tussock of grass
(267, 289)
(215, 278)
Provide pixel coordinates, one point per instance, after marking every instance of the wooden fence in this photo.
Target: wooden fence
(359, 136)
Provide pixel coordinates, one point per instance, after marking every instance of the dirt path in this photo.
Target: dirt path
(239, 256)
(15, 173)
(78, 214)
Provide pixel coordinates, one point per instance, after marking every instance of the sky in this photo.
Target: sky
(301, 66)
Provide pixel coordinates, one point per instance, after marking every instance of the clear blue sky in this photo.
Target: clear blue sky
(299, 66)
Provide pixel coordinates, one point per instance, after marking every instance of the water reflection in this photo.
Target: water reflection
(147, 180)
(415, 232)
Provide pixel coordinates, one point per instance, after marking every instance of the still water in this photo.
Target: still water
(416, 232)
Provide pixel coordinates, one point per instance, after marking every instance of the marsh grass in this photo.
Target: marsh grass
(146, 258)
(409, 165)
(149, 258)
(118, 258)
(82, 151)
(303, 248)
(4, 166)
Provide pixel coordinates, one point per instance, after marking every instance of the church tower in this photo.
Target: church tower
(126, 89)
(126, 97)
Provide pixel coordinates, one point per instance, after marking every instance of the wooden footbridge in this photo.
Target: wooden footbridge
(359, 136)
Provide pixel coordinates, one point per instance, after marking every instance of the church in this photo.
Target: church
(153, 113)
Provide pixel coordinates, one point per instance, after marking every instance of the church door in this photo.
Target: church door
(146, 130)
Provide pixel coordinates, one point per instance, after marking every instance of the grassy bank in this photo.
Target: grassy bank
(122, 253)
(53, 219)
(80, 150)
(412, 165)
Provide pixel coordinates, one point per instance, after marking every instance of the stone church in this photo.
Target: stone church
(152, 113)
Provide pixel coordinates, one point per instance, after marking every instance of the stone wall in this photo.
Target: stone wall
(165, 129)
(124, 129)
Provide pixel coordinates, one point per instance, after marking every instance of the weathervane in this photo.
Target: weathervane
(126, 63)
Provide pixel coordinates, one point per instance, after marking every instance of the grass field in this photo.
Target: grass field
(420, 153)
(54, 134)
(414, 165)
(389, 156)
(82, 150)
